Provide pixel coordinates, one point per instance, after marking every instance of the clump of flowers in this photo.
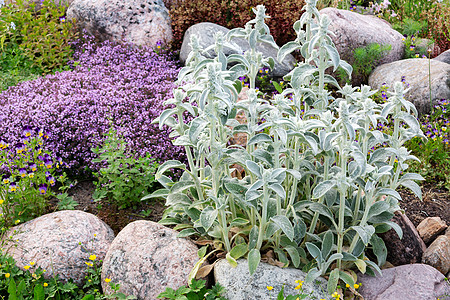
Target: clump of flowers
(28, 171)
(114, 82)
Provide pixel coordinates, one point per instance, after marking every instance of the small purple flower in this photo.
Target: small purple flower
(3, 144)
(32, 166)
(48, 163)
(42, 188)
(51, 180)
(62, 19)
(20, 147)
(158, 44)
(27, 130)
(13, 187)
(5, 179)
(23, 172)
(47, 173)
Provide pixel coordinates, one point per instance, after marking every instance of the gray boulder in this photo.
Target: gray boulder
(353, 30)
(147, 257)
(240, 285)
(206, 32)
(438, 254)
(134, 21)
(416, 74)
(415, 281)
(444, 57)
(61, 243)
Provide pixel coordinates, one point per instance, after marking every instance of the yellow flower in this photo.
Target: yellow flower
(45, 284)
(32, 263)
(356, 286)
(107, 280)
(17, 222)
(347, 285)
(89, 264)
(26, 267)
(92, 257)
(1, 201)
(7, 275)
(270, 288)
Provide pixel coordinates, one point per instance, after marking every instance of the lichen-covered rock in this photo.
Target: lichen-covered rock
(409, 249)
(147, 257)
(444, 57)
(240, 285)
(415, 281)
(353, 30)
(60, 242)
(416, 74)
(437, 254)
(205, 31)
(430, 227)
(134, 21)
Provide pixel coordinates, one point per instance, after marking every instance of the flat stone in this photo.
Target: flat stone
(61, 243)
(416, 73)
(415, 281)
(407, 250)
(444, 57)
(147, 257)
(206, 32)
(437, 254)
(240, 285)
(140, 22)
(430, 228)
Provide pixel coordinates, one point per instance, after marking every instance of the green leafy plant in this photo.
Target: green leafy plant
(196, 290)
(43, 34)
(124, 180)
(311, 192)
(28, 173)
(365, 60)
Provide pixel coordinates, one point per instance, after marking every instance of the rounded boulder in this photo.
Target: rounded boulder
(61, 243)
(147, 257)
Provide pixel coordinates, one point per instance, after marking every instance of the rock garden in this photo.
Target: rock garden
(224, 149)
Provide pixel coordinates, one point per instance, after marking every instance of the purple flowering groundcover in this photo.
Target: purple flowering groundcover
(117, 84)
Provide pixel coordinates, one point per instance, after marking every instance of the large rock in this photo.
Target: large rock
(430, 228)
(135, 21)
(353, 30)
(407, 250)
(438, 254)
(61, 243)
(416, 73)
(147, 257)
(240, 285)
(206, 32)
(416, 281)
(444, 57)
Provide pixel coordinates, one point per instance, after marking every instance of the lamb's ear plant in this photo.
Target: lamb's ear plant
(319, 181)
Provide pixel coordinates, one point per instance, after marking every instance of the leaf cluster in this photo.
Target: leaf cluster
(317, 179)
(42, 33)
(195, 291)
(123, 179)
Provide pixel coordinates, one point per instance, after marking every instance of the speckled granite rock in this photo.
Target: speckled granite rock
(444, 57)
(415, 281)
(147, 257)
(416, 72)
(135, 21)
(353, 30)
(438, 254)
(206, 32)
(52, 242)
(239, 285)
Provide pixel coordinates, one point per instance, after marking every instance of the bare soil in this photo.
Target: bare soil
(435, 203)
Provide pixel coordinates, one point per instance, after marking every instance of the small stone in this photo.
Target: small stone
(240, 285)
(61, 243)
(147, 257)
(430, 228)
(437, 254)
(414, 281)
(444, 57)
